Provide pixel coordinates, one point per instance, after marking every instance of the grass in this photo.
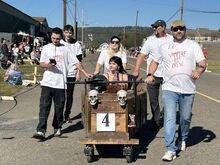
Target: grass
(214, 65)
(27, 69)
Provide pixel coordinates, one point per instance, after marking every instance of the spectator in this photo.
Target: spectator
(115, 49)
(179, 74)
(149, 48)
(35, 57)
(15, 53)
(55, 58)
(204, 52)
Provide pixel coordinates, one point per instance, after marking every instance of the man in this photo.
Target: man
(73, 73)
(180, 59)
(55, 58)
(150, 46)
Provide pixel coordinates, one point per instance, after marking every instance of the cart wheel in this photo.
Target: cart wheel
(129, 158)
(89, 152)
(89, 158)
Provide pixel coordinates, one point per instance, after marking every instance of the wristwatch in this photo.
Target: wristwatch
(149, 74)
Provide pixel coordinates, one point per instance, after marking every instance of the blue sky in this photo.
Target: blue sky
(123, 12)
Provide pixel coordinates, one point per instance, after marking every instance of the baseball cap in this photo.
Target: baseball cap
(159, 22)
(178, 23)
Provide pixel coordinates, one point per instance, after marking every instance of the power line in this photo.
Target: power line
(202, 11)
(173, 15)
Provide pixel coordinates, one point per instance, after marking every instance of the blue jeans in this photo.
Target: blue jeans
(170, 102)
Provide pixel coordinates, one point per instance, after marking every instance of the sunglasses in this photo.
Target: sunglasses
(181, 28)
(114, 42)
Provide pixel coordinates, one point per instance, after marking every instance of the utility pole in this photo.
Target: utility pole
(75, 30)
(64, 12)
(82, 28)
(135, 39)
(181, 9)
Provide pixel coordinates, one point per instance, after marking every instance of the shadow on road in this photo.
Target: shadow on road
(198, 134)
(73, 127)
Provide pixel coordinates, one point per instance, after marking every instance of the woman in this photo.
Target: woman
(116, 73)
(115, 49)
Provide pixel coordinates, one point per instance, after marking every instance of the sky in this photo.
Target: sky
(104, 13)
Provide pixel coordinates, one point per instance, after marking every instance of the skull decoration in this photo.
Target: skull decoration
(122, 97)
(93, 97)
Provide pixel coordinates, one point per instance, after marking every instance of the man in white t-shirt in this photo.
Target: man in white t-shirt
(149, 48)
(183, 63)
(55, 58)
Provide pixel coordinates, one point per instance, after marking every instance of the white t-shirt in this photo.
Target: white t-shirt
(55, 77)
(179, 60)
(150, 47)
(76, 50)
(15, 51)
(104, 59)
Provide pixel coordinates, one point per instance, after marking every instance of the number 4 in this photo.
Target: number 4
(106, 120)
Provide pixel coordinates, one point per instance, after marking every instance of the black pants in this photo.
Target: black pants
(153, 91)
(69, 96)
(47, 95)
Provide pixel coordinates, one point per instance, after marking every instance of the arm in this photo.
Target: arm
(97, 68)
(80, 68)
(140, 58)
(46, 65)
(124, 66)
(152, 69)
(200, 69)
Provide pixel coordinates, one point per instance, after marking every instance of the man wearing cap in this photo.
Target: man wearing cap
(149, 48)
(183, 63)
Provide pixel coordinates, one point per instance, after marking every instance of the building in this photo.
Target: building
(14, 22)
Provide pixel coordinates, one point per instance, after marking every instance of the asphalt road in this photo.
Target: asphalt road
(18, 121)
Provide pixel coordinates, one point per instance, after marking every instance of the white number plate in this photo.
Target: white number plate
(105, 121)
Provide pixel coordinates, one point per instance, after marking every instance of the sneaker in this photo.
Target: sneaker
(182, 145)
(67, 120)
(169, 156)
(57, 132)
(39, 135)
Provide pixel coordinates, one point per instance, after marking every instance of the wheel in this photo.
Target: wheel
(129, 158)
(89, 158)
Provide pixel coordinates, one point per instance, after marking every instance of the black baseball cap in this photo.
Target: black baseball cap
(158, 23)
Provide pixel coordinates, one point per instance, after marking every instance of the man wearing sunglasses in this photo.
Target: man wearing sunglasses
(183, 63)
(149, 48)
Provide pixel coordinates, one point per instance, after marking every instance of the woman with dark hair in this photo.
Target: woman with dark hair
(117, 72)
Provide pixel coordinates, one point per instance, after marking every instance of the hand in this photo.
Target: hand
(88, 75)
(195, 74)
(136, 73)
(78, 78)
(149, 80)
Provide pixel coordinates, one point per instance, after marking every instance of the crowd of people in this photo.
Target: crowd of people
(17, 52)
(173, 62)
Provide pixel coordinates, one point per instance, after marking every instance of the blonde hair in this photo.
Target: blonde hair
(111, 52)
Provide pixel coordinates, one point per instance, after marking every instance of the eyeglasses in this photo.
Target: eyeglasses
(181, 28)
(114, 42)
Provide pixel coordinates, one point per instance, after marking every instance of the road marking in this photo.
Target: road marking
(209, 97)
(199, 93)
